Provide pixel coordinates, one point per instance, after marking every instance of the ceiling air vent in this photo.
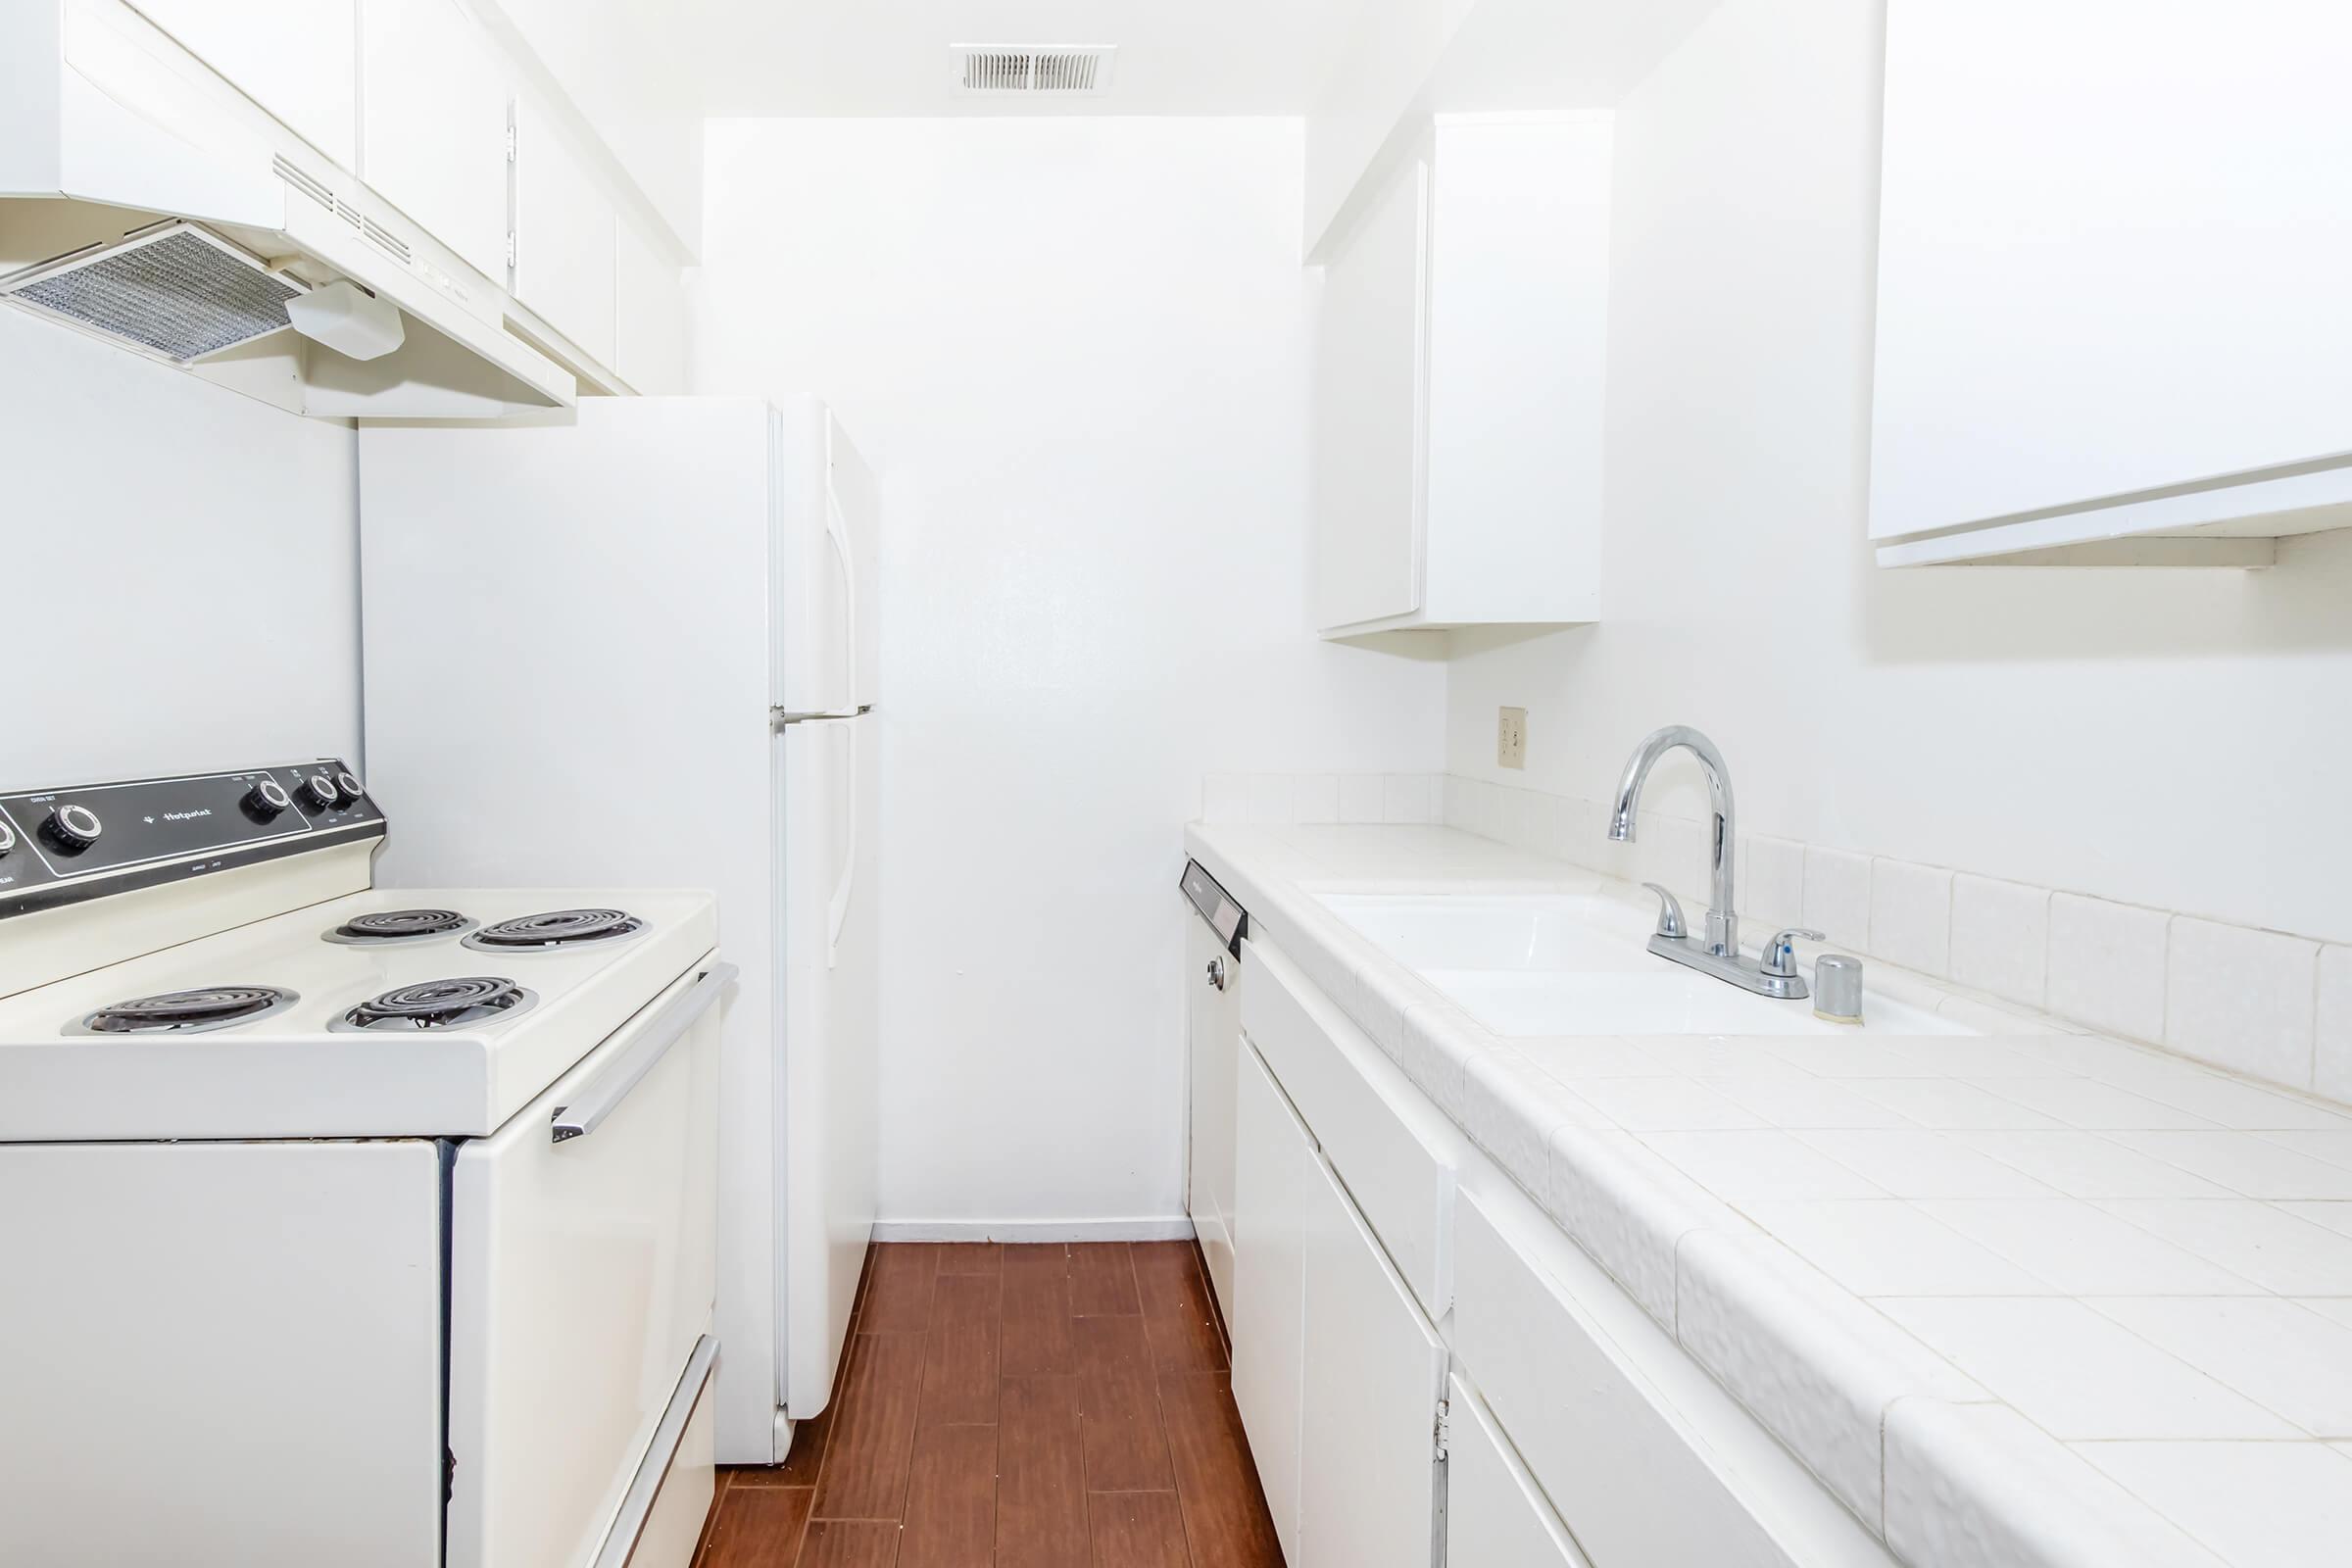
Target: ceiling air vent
(1062, 70)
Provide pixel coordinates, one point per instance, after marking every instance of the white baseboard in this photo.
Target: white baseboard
(1174, 1228)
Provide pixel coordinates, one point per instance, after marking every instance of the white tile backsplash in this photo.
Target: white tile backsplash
(1283, 800)
(1911, 916)
(1837, 897)
(1772, 885)
(2107, 964)
(2241, 998)
(1364, 797)
(2332, 1065)
(1315, 797)
(2269, 1005)
(2001, 938)
(1411, 798)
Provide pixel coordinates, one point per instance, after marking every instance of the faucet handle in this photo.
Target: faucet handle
(1670, 913)
(1780, 953)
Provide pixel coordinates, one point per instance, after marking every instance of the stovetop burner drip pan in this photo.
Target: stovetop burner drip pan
(187, 1012)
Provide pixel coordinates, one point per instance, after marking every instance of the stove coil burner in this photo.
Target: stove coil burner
(440, 1005)
(399, 925)
(557, 928)
(188, 1012)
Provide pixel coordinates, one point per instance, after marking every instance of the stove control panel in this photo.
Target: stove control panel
(62, 845)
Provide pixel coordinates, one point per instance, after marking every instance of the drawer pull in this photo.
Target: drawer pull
(621, 1542)
(605, 1092)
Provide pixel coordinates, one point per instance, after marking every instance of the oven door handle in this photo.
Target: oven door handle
(605, 1093)
(637, 1506)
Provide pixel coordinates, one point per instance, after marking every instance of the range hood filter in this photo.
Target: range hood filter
(175, 290)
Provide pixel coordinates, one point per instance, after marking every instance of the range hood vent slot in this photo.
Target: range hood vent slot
(305, 183)
(1061, 70)
(175, 290)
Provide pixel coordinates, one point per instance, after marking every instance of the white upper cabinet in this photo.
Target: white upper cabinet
(651, 355)
(2113, 240)
(1460, 362)
(302, 66)
(1372, 410)
(565, 237)
(433, 128)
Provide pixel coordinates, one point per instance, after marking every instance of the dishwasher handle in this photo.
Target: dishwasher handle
(604, 1092)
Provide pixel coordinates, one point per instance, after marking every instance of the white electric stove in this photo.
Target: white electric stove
(342, 1225)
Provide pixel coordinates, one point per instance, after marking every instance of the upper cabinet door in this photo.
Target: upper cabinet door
(2113, 245)
(1371, 424)
(302, 67)
(434, 129)
(563, 236)
(1460, 368)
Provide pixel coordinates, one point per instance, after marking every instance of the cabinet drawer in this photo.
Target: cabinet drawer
(582, 1274)
(1395, 1152)
(1639, 1486)
(1495, 1515)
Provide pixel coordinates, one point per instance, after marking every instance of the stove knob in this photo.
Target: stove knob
(74, 828)
(266, 799)
(347, 787)
(321, 790)
(8, 838)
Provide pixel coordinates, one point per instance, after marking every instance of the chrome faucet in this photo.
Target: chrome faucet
(1718, 951)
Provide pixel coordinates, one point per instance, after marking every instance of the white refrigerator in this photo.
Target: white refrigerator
(634, 645)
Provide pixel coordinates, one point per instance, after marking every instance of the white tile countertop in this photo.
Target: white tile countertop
(2029, 1297)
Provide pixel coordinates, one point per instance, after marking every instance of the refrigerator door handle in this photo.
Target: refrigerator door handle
(838, 908)
(837, 532)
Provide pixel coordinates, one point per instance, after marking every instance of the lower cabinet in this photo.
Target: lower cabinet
(1553, 1425)
(1337, 1372)
(1495, 1515)
(1275, 1170)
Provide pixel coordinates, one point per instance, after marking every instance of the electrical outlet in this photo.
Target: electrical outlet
(1510, 737)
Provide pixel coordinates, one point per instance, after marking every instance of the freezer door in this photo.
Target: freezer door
(826, 1083)
(826, 515)
(565, 629)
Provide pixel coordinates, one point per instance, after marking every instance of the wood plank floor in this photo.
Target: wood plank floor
(1043, 1406)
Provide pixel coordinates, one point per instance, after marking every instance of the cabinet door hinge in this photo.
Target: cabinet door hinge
(1443, 1430)
(510, 141)
(511, 248)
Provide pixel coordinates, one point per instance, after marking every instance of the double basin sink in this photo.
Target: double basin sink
(1578, 963)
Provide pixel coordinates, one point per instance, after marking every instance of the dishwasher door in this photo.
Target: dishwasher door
(582, 1273)
(1212, 975)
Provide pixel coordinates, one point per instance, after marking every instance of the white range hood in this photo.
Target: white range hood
(145, 201)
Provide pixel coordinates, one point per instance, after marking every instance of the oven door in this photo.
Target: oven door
(582, 1237)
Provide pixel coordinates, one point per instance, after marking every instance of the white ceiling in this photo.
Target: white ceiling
(890, 57)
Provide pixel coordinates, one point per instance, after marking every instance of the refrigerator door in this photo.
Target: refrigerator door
(566, 628)
(826, 518)
(827, 933)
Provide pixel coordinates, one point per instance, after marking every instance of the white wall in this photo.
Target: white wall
(178, 570)
(1076, 352)
(2178, 740)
